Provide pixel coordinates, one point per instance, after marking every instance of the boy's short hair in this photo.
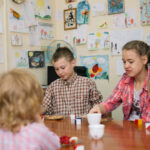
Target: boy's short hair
(20, 99)
(62, 52)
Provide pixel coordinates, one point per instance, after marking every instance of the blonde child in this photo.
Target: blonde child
(20, 105)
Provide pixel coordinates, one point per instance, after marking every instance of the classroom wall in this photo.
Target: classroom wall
(105, 86)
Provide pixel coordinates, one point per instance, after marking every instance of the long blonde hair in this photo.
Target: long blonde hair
(20, 99)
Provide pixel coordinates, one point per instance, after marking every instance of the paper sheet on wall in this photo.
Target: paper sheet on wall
(20, 58)
(59, 15)
(119, 37)
(28, 14)
(34, 36)
(0, 24)
(120, 68)
(1, 54)
(79, 35)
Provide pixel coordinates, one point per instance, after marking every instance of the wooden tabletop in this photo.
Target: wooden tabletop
(118, 135)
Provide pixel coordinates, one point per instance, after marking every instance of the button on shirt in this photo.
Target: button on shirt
(74, 97)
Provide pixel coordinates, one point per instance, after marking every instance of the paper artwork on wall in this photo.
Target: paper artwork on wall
(34, 36)
(20, 58)
(148, 38)
(97, 66)
(28, 14)
(98, 9)
(70, 1)
(46, 31)
(59, 15)
(42, 9)
(120, 37)
(125, 20)
(103, 25)
(16, 40)
(0, 24)
(80, 35)
(119, 64)
(17, 25)
(36, 59)
(83, 9)
(98, 41)
(1, 54)
(145, 12)
(115, 6)
(67, 37)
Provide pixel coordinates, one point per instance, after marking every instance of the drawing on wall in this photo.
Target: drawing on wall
(48, 56)
(17, 25)
(103, 25)
(46, 31)
(145, 12)
(115, 6)
(148, 38)
(79, 35)
(16, 40)
(83, 9)
(99, 9)
(98, 41)
(97, 66)
(36, 59)
(20, 58)
(42, 9)
(70, 19)
(1, 54)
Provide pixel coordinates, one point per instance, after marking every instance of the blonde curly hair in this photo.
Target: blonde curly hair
(20, 99)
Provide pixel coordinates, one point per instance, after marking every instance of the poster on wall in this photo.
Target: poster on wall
(42, 9)
(115, 6)
(36, 59)
(46, 31)
(16, 40)
(20, 58)
(145, 12)
(97, 66)
(98, 41)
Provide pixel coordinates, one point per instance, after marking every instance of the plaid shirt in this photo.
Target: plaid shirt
(123, 93)
(34, 136)
(74, 97)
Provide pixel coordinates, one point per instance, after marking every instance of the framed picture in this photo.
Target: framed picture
(70, 1)
(115, 6)
(70, 19)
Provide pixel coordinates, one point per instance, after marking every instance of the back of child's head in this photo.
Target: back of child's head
(20, 99)
(63, 52)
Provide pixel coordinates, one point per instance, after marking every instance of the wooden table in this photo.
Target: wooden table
(118, 135)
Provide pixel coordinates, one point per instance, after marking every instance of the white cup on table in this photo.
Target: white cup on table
(94, 118)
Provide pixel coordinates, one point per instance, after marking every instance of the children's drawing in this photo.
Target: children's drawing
(83, 12)
(97, 66)
(145, 12)
(70, 1)
(46, 31)
(36, 59)
(79, 35)
(16, 40)
(115, 6)
(126, 19)
(99, 9)
(148, 38)
(17, 24)
(98, 41)
(42, 9)
(20, 58)
(104, 25)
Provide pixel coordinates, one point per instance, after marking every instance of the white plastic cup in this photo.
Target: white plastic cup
(96, 131)
(94, 118)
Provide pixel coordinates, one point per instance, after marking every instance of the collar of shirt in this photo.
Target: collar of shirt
(71, 81)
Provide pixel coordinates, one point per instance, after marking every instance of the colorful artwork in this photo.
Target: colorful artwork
(97, 66)
(98, 41)
(145, 12)
(46, 31)
(70, 1)
(36, 59)
(115, 6)
(47, 53)
(83, 12)
(42, 9)
(20, 58)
